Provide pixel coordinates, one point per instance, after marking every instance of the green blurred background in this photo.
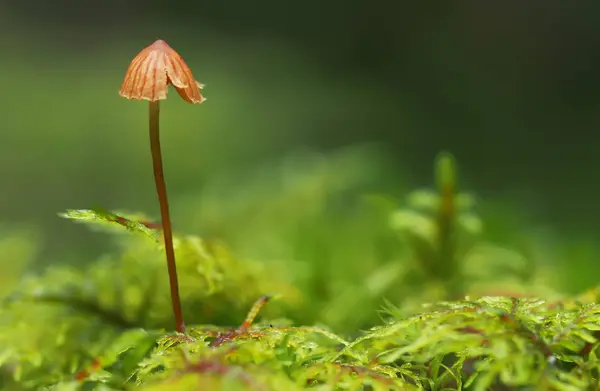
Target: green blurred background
(511, 89)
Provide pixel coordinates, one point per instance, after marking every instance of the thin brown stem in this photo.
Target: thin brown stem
(161, 190)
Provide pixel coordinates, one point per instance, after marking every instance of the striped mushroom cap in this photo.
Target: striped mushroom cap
(153, 69)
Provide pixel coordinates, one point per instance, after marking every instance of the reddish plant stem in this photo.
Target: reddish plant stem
(258, 305)
(161, 190)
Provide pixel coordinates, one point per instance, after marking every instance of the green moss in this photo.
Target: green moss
(107, 325)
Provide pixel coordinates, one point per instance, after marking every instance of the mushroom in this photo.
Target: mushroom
(148, 78)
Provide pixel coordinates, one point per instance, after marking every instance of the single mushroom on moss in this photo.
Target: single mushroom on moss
(148, 78)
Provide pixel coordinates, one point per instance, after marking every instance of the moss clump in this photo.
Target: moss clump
(107, 326)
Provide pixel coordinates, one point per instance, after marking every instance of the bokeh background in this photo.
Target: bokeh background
(368, 92)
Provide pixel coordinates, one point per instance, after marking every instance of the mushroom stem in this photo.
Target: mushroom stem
(161, 190)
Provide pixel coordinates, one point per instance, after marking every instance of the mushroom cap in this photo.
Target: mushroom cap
(153, 69)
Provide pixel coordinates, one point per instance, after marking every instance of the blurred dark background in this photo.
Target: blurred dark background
(510, 88)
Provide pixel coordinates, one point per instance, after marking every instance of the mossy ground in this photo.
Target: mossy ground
(413, 298)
